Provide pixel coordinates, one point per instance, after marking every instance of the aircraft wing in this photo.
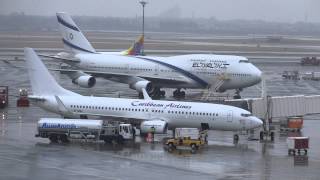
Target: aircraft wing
(64, 59)
(125, 78)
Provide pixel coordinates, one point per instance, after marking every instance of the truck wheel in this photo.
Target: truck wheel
(261, 135)
(53, 138)
(107, 140)
(236, 138)
(64, 138)
(294, 152)
(120, 140)
(272, 136)
(171, 145)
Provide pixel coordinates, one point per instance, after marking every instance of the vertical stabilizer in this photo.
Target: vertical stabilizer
(42, 82)
(136, 48)
(73, 39)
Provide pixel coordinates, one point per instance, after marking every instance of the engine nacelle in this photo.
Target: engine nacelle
(160, 126)
(85, 81)
(138, 86)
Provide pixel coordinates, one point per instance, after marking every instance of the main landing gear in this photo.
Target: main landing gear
(179, 94)
(237, 94)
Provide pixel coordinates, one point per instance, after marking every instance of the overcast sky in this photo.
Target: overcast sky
(270, 10)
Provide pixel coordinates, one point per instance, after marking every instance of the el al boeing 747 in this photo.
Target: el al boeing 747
(161, 115)
(196, 71)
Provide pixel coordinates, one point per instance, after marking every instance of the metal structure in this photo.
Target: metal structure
(143, 3)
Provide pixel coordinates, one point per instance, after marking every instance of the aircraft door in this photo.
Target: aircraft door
(126, 67)
(229, 116)
(156, 70)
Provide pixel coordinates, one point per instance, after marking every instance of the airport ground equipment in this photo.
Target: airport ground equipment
(294, 75)
(297, 144)
(187, 138)
(23, 100)
(311, 61)
(292, 124)
(3, 96)
(315, 76)
(63, 130)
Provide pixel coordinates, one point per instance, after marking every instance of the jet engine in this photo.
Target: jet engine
(139, 85)
(85, 81)
(159, 125)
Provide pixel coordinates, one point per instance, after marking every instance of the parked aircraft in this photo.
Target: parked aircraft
(197, 71)
(161, 115)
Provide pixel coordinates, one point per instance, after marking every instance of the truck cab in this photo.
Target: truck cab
(117, 132)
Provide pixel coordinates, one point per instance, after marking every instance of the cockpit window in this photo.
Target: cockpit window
(246, 115)
(244, 61)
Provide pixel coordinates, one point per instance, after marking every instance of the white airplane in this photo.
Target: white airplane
(197, 71)
(49, 95)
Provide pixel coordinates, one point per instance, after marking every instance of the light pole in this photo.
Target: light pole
(143, 3)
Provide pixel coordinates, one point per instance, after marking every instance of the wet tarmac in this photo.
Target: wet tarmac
(22, 156)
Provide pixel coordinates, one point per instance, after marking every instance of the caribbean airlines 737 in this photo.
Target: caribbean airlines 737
(161, 115)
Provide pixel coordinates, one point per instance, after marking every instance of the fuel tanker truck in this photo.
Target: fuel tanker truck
(63, 130)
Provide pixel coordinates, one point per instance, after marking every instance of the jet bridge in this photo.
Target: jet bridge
(280, 106)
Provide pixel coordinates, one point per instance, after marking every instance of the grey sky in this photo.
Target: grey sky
(270, 10)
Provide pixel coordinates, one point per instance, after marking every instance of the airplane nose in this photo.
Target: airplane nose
(257, 75)
(255, 122)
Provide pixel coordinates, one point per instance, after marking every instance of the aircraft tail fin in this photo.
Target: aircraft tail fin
(136, 48)
(73, 39)
(42, 82)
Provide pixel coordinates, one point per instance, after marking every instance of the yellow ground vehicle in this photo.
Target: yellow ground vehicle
(187, 138)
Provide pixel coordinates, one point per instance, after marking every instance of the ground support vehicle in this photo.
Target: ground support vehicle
(187, 139)
(297, 145)
(63, 130)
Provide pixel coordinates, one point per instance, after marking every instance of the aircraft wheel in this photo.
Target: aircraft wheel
(175, 93)
(182, 94)
(53, 138)
(162, 93)
(236, 138)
